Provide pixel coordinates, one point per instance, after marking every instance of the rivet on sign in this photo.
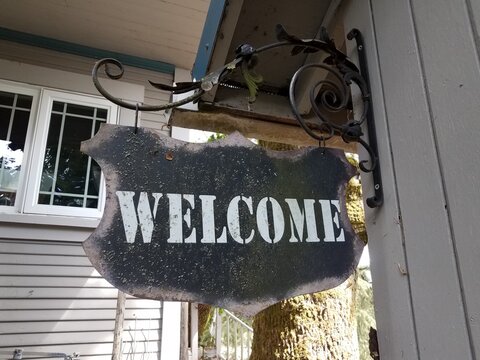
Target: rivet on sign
(169, 156)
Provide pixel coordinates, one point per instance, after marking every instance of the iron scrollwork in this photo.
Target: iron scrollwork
(331, 94)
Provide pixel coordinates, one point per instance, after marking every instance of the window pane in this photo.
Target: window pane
(67, 201)
(13, 132)
(19, 130)
(44, 199)
(7, 198)
(80, 110)
(70, 176)
(24, 101)
(94, 179)
(6, 98)
(102, 114)
(98, 125)
(50, 159)
(58, 106)
(5, 114)
(72, 164)
(92, 203)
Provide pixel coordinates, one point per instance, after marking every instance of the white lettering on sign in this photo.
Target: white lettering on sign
(233, 218)
(277, 219)
(269, 215)
(299, 217)
(144, 214)
(177, 220)
(208, 221)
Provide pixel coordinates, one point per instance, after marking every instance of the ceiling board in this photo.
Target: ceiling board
(167, 31)
(256, 26)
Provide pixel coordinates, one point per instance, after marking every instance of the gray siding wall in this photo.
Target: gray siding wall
(52, 300)
(424, 242)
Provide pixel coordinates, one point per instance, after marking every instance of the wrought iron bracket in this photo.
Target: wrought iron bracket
(330, 94)
(376, 200)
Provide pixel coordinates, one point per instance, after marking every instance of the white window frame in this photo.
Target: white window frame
(26, 205)
(42, 123)
(33, 91)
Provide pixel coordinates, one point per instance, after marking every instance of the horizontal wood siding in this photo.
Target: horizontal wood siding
(52, 300)
(80, 65)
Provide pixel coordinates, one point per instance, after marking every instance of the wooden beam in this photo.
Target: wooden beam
(223, 122)
(118, 331)
(223, 40)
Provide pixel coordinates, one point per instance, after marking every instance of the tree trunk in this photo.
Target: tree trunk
(314, 326)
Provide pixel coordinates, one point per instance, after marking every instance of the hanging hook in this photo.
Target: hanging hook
(322, 144)
(136, 118)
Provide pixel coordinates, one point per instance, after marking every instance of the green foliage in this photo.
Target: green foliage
(215, 137)
(252, 79)
(205, 321)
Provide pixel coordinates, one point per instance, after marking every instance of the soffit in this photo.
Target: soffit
(256, 26)
(167, 31)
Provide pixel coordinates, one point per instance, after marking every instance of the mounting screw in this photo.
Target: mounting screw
(360, 47)
(377, 186)
(207, 85)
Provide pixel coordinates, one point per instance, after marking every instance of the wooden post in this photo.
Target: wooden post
(184, 332)
(118, 330)
(194, 330)
(218, 333)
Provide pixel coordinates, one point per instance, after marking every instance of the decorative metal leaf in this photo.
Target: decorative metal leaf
(252, 80)
(323, 36)
(297, 50)
(179, 88)
(310, 50)
(283, 35)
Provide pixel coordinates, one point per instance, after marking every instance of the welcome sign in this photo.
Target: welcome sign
(226, 223)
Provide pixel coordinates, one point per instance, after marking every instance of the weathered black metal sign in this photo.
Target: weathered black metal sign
(226, 223)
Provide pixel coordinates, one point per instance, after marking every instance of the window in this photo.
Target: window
(17, 106)
(61, 180)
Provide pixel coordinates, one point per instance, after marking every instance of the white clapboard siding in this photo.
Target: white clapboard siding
(39, 248)
(37, 339)
(15, 259)
(71, 326)
(54, 293)
(144, 349)
(42, 304)
(80, 65)
(50, 270)
(83, 314)
(53, 281)
(52, 300)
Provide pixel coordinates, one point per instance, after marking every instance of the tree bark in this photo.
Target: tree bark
(313, 326)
